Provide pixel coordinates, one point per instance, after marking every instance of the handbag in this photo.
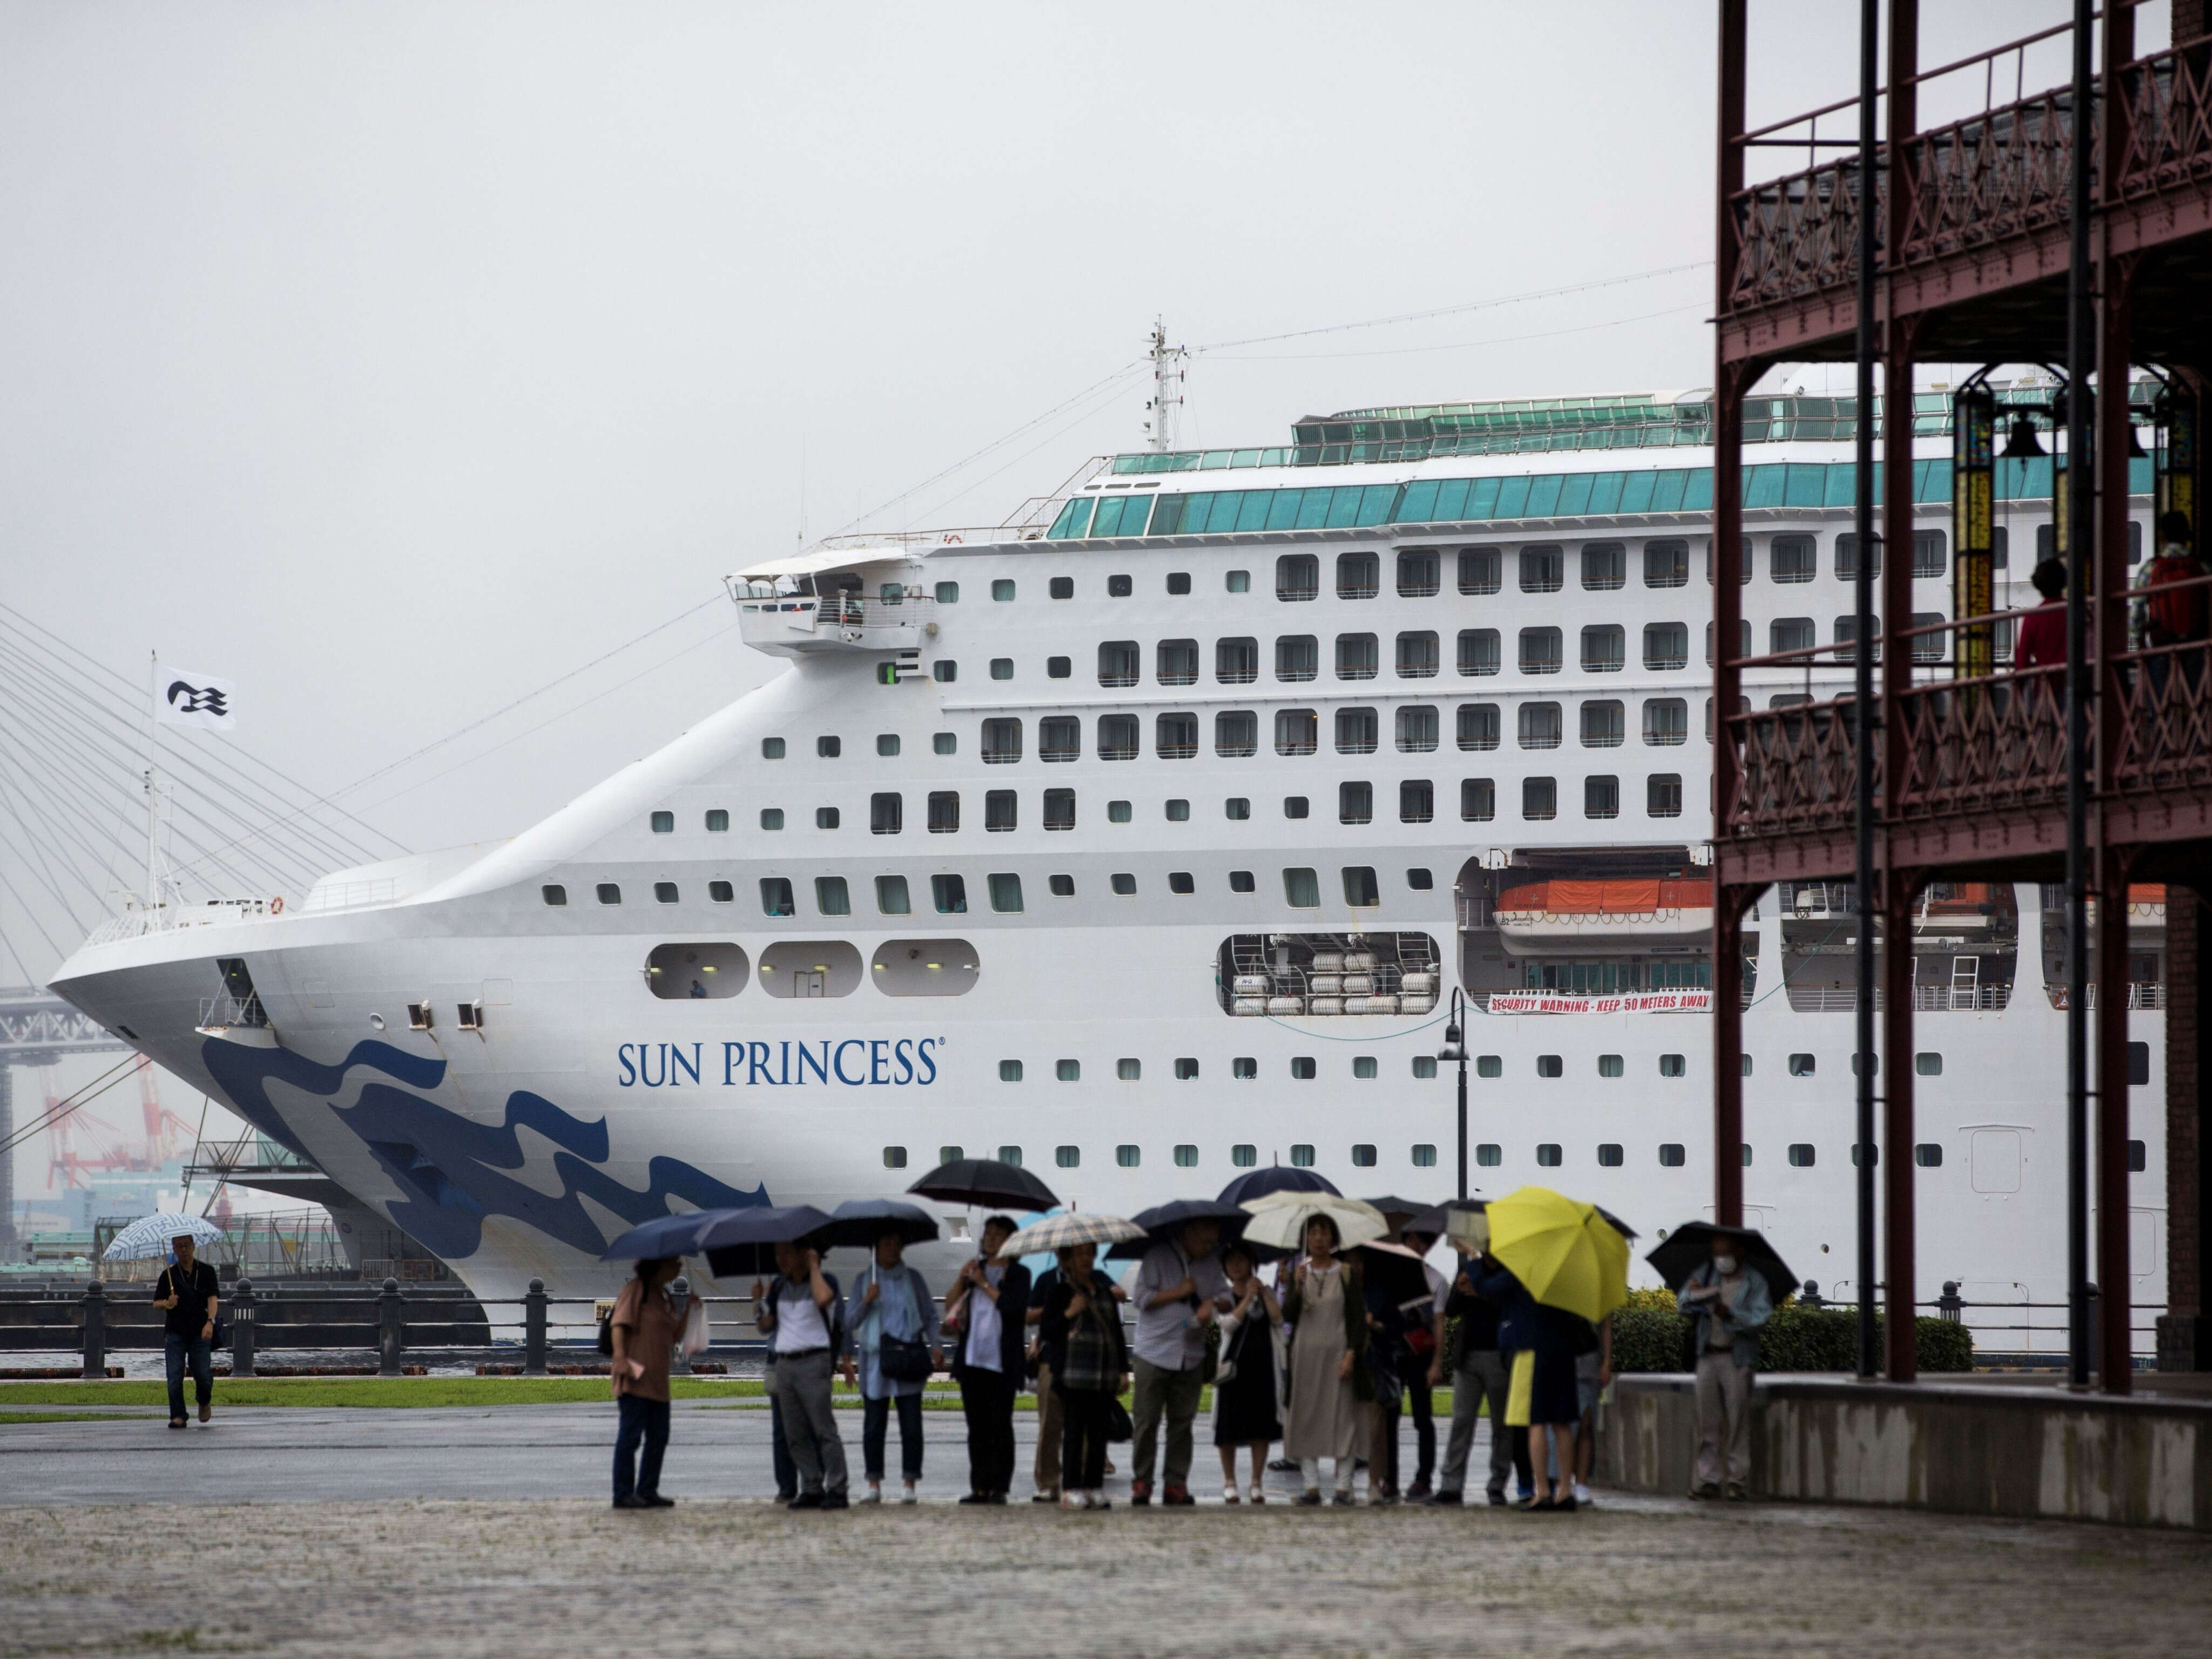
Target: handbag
(900, 1360)
(1118, 1425)
(697, 1333)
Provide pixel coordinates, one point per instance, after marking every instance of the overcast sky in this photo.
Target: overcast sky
(397, 359)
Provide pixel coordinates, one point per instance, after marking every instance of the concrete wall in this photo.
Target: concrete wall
(1966, 1449)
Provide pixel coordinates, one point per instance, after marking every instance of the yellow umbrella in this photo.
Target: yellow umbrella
(1564, 1253)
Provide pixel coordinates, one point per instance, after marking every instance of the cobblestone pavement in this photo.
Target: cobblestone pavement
(428, 1579)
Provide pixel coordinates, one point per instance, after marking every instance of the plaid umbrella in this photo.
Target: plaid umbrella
(1058, 1232)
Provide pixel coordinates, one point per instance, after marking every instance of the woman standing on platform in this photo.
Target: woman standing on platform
(892, 1318)
(644, 1326)
(1328, 1309)
(1081, 1331)
(1245, 1411)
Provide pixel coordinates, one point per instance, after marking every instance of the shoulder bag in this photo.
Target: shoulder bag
(900, 1360)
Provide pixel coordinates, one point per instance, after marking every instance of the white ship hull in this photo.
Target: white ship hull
(563, 1091)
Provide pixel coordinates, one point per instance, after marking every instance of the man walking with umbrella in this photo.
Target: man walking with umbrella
(187, 1296)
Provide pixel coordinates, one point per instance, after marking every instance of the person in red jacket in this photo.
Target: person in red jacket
(2042, 641)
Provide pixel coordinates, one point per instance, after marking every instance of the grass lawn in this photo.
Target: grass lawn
(426, 1391)
(373, 1391)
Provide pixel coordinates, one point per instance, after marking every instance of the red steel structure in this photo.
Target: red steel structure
(1974, 231)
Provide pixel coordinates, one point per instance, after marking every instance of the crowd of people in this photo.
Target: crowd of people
(1314, 1356)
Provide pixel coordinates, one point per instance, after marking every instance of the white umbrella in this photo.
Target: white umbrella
(147, 1239)
(1279, 1219)
(1058, 1232)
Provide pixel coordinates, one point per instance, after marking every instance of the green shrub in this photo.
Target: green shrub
(1796, 1338)
(1649, 1340)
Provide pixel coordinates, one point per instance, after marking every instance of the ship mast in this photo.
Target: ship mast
(1167, 387)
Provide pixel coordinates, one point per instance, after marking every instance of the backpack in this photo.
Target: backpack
(2171, 617)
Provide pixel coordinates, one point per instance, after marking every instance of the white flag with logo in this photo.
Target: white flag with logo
(184, 698)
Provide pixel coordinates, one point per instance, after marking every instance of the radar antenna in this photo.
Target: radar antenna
(1167, 387)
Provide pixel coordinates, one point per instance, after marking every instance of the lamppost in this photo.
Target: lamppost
(1454, 1049)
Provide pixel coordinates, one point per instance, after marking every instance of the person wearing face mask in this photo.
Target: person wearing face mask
(1730, 1308)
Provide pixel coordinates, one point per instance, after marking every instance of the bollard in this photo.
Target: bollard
(1811, 1296)
(391, 1335)
(1948, 1304)
(95, 1330)
(534, 1329)
(241, 1328)
(679, 1363)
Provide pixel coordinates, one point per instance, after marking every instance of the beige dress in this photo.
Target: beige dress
(1324, 1419)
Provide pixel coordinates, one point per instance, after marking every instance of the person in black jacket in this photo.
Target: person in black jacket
(1479, 1375)
(1081, 1331)
(988, 1307)
(186, 1295)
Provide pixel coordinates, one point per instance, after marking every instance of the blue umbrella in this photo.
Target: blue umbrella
(664, 1236)
(1276, 1178)
(745, 1240)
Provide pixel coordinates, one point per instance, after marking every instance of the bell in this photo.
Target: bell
(2022, 444)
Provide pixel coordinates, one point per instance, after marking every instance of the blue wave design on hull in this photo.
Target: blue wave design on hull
(451, 1164)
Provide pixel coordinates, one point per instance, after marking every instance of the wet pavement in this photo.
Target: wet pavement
(430, 1533)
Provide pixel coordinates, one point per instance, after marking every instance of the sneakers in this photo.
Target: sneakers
(874, 1494)
(1074, 1500)
(1048, 1495)
(909, 1495)
(1582, 1493)
(1177, 1497)
(1140, 1492)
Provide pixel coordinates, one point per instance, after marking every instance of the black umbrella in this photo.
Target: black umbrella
(1618, 1224)
(1691, 1245)
(745, 1240)
(862, 1221)
(987, 1182)
(1394, 1270)
(1165, 1221)
(1436, 1223)
(1391, 1204)
(1276, 1178)
(664, 1236)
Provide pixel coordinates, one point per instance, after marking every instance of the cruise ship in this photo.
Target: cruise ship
(1146, 838)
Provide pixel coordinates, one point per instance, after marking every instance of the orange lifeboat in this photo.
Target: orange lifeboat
(1544, 917)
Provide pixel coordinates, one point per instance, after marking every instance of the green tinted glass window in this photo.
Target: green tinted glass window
(1635, 492)
(1512, 499)
(1073, 519)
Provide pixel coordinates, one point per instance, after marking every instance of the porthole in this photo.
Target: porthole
(555, 894)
